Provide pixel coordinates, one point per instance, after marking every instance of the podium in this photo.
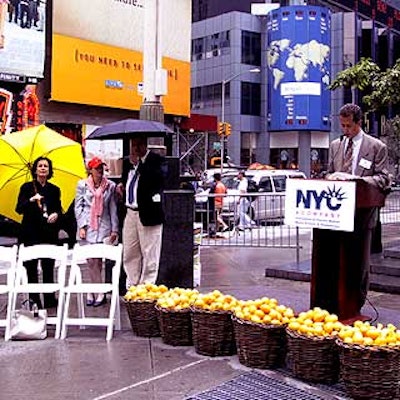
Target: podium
(341, 260)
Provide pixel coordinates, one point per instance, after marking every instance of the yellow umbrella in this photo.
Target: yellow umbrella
(19, 150)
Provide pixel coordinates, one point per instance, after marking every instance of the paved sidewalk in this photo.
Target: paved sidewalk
(86, 367)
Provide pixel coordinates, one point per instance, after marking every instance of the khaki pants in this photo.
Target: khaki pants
(142, 249)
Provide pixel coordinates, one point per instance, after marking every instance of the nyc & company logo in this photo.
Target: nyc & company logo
(332, 197)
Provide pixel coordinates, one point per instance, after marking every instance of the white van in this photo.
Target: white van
(268, 203)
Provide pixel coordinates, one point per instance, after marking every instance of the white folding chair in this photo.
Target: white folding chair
(81, 254)
(8, 265)
(36, 252)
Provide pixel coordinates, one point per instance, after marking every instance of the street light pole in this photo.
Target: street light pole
(222, 137)
(224, 82)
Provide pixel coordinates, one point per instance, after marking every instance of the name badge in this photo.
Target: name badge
(156, 198)
(365, 163)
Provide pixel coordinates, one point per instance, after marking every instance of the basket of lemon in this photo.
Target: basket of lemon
(174, 316)
(140, 303)
(259, 327)
(312, 351)
(370, 360)
(212, 327)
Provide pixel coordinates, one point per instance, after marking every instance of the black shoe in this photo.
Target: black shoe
(101, 302)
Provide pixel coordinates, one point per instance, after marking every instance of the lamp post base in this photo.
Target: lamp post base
(152, 111)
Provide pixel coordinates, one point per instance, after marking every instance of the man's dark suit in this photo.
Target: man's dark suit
(150, 186)
(142, 231)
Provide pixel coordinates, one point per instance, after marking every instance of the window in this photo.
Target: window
(248, 148)
(211, 46)
(225, 43)
(279, 183)
(230, 182)
(196, 98)
(198, 49)
(208, 96)
(251, 48)
(250, 98)
(265, 185)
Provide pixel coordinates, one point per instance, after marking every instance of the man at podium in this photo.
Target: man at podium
(341, 260)
(356, 154)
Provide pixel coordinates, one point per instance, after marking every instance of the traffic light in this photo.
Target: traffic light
(221, 128)
(227, 129)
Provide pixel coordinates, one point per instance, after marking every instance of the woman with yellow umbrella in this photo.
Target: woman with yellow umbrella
(39, 202)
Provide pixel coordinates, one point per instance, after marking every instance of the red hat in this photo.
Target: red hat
(95, 162)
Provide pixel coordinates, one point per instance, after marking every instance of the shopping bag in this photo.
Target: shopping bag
(28, 324)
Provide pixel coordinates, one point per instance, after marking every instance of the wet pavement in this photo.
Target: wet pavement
(85, 366)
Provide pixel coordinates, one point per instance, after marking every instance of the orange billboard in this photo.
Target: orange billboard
(101, 63)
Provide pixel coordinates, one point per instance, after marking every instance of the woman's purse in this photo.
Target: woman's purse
(28, 324)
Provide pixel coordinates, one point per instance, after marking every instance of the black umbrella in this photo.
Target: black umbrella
(130, 127)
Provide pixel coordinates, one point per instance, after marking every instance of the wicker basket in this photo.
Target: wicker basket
(143, 317)
(370, 372)
(312, 358)
(213, 333)
(175, 326)
(260, 346)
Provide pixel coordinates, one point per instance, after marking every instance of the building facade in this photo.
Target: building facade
(228, 43)
(90, 70)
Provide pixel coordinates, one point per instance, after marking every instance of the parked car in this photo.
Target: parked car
(267, 195)
(269, 204)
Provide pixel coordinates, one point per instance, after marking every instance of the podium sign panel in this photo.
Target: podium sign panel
(312, 203)
(341, 260)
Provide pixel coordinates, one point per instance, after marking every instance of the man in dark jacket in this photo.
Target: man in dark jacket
(142, 230)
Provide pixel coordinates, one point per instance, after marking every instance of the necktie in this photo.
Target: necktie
(131, 191)
(348, 158)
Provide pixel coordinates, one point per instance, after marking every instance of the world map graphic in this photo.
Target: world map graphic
(299, 58)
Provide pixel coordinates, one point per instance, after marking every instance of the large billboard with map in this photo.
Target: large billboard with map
(298, 61)
(97, 56)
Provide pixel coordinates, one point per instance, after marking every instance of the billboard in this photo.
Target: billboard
(6, 99)
(97, 54)
(298, 61)
(22, 41)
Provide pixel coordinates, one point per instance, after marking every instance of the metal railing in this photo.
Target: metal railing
(267, 211)
(264, 225)
(390, 213)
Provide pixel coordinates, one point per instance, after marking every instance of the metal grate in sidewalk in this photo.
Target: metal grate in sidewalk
(257, 386)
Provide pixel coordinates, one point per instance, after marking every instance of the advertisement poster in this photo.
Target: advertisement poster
(312, 203)
(22, 40)
(6, 99)
(298, 58)
(98, 53)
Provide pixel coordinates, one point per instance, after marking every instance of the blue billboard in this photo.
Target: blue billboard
(298, 61)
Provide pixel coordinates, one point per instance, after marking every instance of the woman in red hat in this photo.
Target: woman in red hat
(96, 217)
